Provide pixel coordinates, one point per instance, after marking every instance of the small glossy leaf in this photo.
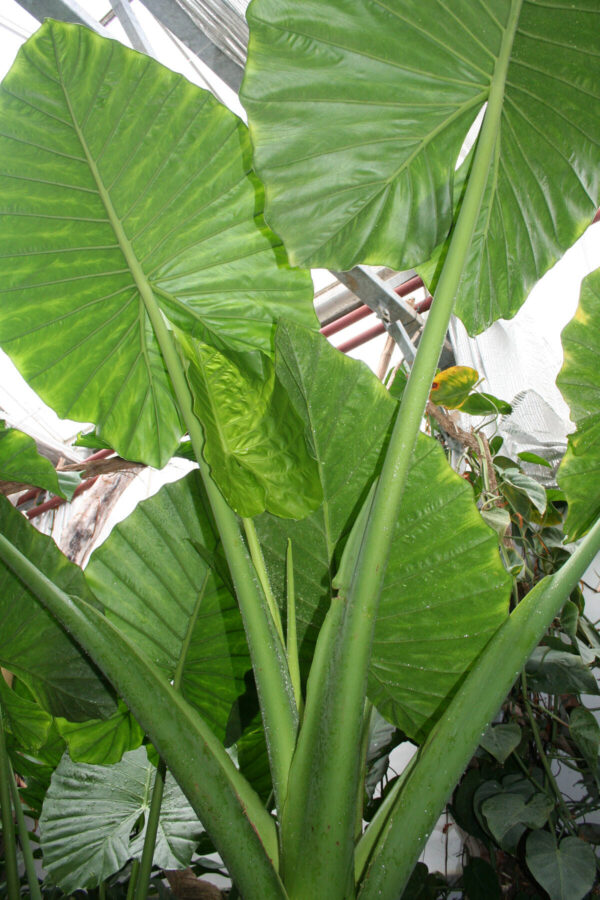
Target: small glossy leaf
(523, 484)
(254, 438)
(34, 646)
(534, 458)
(580, 386)
(452, 386)
(501, 740)
(482, 404)
(340, 191)
(507, 814)
(170, 602)
(585, 731)
(559, 672)
(566, 871)
(497, 518)
(20, 461)
(125, 186)
(101, 741)
(90, 813)
(480, 880)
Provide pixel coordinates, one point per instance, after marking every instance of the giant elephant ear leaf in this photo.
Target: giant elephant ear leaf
(358, 112)
(579, 382)
(123, 184)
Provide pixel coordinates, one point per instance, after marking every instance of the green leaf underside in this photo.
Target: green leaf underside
(579, 382)
(445, 590)
(341, 191)
(90, 812)
(20, 461)
(105, 153)
(567, 871)
(33, 645)
(254, 439)
(160, 592)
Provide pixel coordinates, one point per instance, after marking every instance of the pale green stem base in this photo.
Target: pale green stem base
(8, 829)
(32, 879)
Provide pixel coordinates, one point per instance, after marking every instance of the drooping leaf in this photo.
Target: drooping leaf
(101, 741)
(517, 485)
(534, 458)
(254, 439)
(125, 185)
(579, 383)
(90, 813)
(34, 646)
(340, 191)
(451, 386)
(479, 403)
(445, 590)
(559, 672)
(165, 597)
(566, 871)
(20, 461)
(501, 740)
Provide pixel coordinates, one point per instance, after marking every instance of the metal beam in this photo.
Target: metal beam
(176, 19)
(132, 27)
(63, 10)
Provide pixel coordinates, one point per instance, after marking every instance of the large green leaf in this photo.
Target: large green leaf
(33, 645)
(358, 112)
(122, 181)
(445, 590)
(88, 823)
(20, 461)
(579, 382)
(157, 587)
(254, 439)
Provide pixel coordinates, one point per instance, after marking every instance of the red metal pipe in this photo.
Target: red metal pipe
(31, 494)
(55, 502)
(424, 305)
(349, 319)
(596, 217)
(99, 454)
(367, 335)
(413, 284)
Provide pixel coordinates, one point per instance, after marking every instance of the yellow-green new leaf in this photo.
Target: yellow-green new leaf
(579, 382)
(254, 439)
(123, 186)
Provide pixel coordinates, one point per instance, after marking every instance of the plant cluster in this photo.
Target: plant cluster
(224, 651)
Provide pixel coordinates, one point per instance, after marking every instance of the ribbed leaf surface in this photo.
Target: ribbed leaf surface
(119, 177)
(358, 111)
(445, 589)
(32, 644)
(90, 813)
(579, 382)
(157, 587)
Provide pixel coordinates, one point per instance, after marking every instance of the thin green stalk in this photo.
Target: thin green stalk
(555, 790)
(11, 871)
(141, 891)
(326, 763)
(258, 560)
(446, 752)
(32, 879)
(268, 655)
(292, 637)
(102, 891)
(133, 877)
(231, 811)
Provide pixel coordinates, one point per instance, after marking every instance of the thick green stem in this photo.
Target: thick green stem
(451, 744)
(11, 871)
(230, 810)
(263, 576)
(292, 637)
(141, 891)
(32, 879)
(326, 763)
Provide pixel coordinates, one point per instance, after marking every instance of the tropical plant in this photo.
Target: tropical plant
(323, 541)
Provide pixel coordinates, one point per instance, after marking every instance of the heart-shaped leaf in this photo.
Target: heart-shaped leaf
(124, 185)
(90, 813)
(501, 740)
(566, 872)
(358, 112)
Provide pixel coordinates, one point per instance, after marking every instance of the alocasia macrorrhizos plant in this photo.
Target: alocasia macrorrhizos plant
(133, 237)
